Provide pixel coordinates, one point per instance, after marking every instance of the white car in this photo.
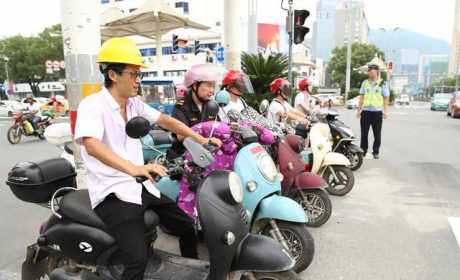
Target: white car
(403, 99)
(353, 103)
(5, 109)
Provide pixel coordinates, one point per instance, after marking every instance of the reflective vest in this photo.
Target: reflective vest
(373, 95)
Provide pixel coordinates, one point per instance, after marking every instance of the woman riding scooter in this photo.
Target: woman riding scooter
(280, 110)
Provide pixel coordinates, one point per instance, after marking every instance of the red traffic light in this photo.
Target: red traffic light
(300, 16)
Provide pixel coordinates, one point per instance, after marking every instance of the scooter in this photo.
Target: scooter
(333, 167)
(74, 242)
(269, 212)
(287, 217)
(304, 187)
(342, 140)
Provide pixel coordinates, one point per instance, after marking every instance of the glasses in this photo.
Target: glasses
(134, 75)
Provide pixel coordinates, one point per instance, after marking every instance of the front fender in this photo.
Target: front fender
(280, 208)
(335, 159)
(168, 187)
(355, 149)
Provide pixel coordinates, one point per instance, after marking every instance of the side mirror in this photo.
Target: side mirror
(137, 127)
(263, 107)
(210, 110)
(200, 155)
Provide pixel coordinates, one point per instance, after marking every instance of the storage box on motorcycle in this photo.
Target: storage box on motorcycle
(37, 182)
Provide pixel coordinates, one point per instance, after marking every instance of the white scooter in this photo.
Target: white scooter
(60, 135)
(333, 167)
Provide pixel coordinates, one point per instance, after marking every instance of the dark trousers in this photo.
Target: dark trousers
(373, 119)
(125, 221)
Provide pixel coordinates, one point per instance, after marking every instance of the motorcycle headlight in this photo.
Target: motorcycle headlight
(267, 167)
(236, 187)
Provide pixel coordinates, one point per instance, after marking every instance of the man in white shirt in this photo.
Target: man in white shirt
(33, 108)
(237, 84)
(302, 100)
(113, 159)
(280, 110)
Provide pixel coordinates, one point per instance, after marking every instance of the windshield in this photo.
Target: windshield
(441, 97)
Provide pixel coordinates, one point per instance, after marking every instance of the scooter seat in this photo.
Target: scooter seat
(77, 206)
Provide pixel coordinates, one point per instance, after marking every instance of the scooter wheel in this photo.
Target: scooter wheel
(316, 204)
(14, 135)
(356, 160)
(345, 177)
(300, 242)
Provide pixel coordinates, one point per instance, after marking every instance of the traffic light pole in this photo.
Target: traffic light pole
(349, 42)
(290, 24)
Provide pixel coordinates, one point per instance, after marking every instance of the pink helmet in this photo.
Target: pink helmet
(180, 91)
(204, 73)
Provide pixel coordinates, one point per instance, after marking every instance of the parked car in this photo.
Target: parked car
(353, 103)
(440, 102)
(6, 110)
(403, 99)
(453, 108)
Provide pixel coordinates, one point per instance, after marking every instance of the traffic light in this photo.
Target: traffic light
(175, 43)
(299, 30)
(196, 47)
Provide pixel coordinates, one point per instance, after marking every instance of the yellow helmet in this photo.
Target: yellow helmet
(120, 50)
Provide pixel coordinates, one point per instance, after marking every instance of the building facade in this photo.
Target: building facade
(323, 41)
(454, 58)
(351, 22)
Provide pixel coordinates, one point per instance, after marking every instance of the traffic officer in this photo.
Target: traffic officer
(372, 108)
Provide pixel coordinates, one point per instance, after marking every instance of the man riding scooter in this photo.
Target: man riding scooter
(34, 109)
(113, 159)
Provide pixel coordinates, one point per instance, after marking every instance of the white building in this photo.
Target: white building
(358, 28)
(454, 58)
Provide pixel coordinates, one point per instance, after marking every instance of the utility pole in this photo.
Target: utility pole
(290, 28)
(252, 26)
(81, 40)
(232, 34)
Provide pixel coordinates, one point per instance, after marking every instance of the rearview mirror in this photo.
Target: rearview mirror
(263, 107)
(137, 127)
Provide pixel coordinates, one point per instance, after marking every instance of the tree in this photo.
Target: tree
(361, 54)
(27, 56)
(262, 71)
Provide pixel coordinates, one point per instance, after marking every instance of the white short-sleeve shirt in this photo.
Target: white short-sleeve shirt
(302, 98)
(277, 107)
(99, 117)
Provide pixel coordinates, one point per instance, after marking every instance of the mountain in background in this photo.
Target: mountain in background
(405, 39)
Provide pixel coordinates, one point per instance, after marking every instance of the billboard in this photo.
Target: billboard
(271, 38)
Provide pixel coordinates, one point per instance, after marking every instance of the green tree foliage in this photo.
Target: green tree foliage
(27, 56)
(262, 71)
(361, 54)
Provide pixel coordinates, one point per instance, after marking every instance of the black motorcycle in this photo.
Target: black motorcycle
(343, 138)
(74, 243)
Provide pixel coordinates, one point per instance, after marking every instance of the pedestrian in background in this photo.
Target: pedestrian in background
(373, 108)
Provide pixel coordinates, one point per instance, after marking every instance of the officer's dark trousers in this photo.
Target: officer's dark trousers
(374, 120)
(125, 221)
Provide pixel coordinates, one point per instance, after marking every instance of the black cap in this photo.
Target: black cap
(372, 67)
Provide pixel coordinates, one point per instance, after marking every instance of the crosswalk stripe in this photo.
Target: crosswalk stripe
(455, 225)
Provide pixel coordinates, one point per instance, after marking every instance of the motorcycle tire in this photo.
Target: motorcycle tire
(318, 198)
(284, 275)
(296, 234)
(12, 137)
(346, 177)
(352, 156)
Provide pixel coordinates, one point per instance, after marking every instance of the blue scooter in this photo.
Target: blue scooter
(270, 213)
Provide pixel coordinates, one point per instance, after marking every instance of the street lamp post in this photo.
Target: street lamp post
(349, 42)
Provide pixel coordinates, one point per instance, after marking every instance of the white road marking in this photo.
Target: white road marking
(455, 225)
